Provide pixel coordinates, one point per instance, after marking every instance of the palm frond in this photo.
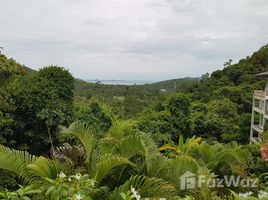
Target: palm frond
(219, 158)
(107, 143)
(156, 160)
(107, 163)
(204, 153)
(85, 136)
(120, 129)
(14, 160)
(170, 147)
(176, 167)
(183, 147)
(136, 144)
(147, 187)
(43, 169)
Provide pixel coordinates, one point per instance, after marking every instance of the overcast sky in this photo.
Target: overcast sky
(132, 39)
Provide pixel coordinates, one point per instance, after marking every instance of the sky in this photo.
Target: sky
(132, 39)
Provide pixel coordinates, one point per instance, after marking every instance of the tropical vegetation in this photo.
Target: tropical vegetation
(63, 138)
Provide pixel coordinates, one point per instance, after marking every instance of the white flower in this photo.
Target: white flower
(245, 195)
(62, 175)
(162, 198)
(93, 184)
(188, 198)
(136, 195)
(77, 176)
(262, 194)
(78, 197)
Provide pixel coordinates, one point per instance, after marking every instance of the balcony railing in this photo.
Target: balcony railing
(260, 94)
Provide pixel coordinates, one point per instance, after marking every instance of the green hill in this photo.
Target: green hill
(173, 85)
(235, 82)
(28, 70)
(218, 106)
(158, 88)
(127, 101)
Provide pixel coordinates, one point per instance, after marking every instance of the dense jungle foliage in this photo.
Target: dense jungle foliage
(63, 138)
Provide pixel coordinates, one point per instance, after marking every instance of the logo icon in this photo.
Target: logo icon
(188, 181)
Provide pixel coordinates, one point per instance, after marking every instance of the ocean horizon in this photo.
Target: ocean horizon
(121, 82)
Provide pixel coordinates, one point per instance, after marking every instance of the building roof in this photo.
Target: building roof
(263, 74)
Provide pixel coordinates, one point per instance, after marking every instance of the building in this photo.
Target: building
(259, 111)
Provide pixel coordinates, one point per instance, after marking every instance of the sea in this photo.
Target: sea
(121, 82)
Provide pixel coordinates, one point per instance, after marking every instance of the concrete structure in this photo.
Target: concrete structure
(259, 111)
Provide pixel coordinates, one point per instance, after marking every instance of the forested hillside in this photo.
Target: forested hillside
(227, 96)
(127, 101)
(218, 106)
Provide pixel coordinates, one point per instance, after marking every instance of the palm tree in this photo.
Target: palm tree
(117, 158)
(222, 160)
(129, 162)
(109, 168)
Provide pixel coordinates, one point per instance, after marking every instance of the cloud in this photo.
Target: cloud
(126, 39)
